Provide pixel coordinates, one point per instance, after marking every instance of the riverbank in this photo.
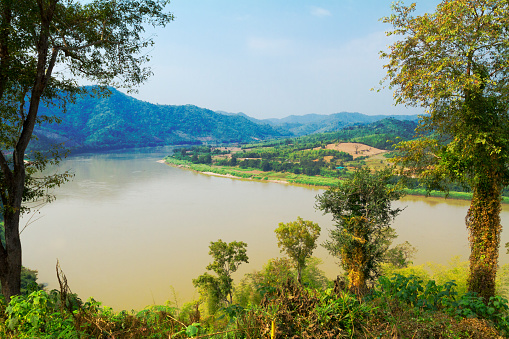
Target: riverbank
(250, 174)
(295, 179)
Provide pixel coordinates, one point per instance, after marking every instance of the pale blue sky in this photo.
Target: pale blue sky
(274, 58)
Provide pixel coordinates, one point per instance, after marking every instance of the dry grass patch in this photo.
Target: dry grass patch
(355, 149)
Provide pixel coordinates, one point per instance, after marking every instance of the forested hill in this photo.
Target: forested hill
(121, 121)
(300, 125)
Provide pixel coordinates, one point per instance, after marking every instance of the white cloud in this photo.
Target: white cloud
(269, 46)
(320, 12)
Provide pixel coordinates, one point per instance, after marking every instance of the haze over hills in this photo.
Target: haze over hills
(307, 124)
(121, 121)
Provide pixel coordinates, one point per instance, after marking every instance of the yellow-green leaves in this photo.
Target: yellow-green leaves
(455, 63)
(298, 240)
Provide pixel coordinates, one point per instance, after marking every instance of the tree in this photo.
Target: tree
(298, 240)
(398, 256)
(227, 258)
(361, 208)
(455, 63)
(46, 46)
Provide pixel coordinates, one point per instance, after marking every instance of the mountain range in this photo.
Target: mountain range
(121, 121)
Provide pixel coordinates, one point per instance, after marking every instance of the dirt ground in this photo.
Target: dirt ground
(355, 149)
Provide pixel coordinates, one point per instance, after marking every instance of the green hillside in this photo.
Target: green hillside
(120, 121)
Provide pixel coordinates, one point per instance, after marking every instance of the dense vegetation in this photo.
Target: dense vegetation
(453, 71)
(120, 121)
(308, 160)
(305, 155)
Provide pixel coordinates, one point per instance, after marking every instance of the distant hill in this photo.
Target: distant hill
(121, 121)
(318, 123)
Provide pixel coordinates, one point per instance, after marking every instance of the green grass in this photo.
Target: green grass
(297, 179)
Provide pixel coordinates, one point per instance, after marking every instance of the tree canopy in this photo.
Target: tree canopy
(227, 258)
(361, 208)
(455, 63)
(298, 240)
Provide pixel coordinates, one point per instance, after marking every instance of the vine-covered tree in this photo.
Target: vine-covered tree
(298, 240)
(46, 46)
(361, 208)
(455, 64)
(227, 258)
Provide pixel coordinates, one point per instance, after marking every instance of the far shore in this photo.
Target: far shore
(231, 176)
(413, 192)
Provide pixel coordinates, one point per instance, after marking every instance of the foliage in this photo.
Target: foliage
(437, 297)
(275, 274)
(299, 312)
(55, 315)
(298, 240)
(35, 314)
(361, 208)
(398, 256)
(411, 290)
(402, 306)
(227, 258)
(454, 62)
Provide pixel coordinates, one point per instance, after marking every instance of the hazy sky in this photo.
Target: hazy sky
(274, 58)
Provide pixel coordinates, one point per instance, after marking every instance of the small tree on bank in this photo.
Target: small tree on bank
(298, 240)
(227, 259)
(455, 64)
(361, 208)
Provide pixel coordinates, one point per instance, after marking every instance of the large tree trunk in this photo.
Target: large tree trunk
(11, 262)
(483, 223)
(356, 274)
(10, 254)
(357, 258)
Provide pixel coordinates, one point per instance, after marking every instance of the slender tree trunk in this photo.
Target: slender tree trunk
(483, 224)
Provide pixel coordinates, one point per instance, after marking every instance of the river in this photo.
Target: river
(131, 232)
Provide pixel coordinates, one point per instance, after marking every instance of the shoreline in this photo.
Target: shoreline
(451, 195)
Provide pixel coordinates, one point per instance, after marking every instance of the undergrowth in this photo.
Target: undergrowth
(397, 307)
